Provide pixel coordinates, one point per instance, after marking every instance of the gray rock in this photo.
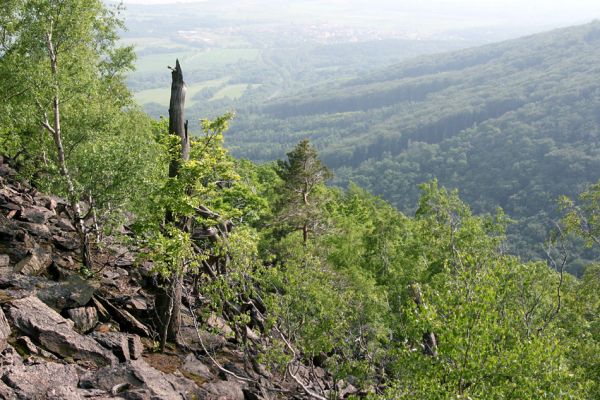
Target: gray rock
(65, 243)
(38, 230)
(224, 390)
(124, 318)
(35, 319)
(63, 393)
(140, 377)
(9, 359)
(4, 260)
(102, 311)
(4, 330)
(196, 368)
(188, 339)
(74, 292)
(41, 381)
(50, 203)
(65, 225)
(35, 214)
(36, 262)
(84, 318)
(125, 346)
(25, 344)
(95, 394)
(137, 305)
(6, 393)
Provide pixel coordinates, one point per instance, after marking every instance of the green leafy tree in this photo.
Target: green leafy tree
(303, 176)
(208, 193)
(68, 116)
(583, 218)
(494, 319)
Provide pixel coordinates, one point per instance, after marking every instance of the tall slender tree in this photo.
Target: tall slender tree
(299, 207)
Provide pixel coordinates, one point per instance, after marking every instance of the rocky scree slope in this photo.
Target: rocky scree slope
(66, 337)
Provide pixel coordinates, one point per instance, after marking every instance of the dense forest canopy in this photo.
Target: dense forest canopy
(425, 304)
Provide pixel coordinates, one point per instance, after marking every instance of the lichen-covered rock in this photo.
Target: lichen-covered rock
(139, 376)
(41, 381)
(196, 369)
(35, 214)
(35, 319)
(72, 293)
(84, 318)
(4, 260)
(4, 330)
(36, 262)
(224, 390)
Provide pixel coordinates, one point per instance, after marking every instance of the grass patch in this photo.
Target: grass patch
(231, 91)
(192, 59)
(161, 95)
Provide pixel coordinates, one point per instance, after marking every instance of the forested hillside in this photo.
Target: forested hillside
(513, 125)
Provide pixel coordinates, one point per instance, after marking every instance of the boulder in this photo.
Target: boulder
(38, 260)
(4, 260)
(199, 342)
(65, 243)
(65, 225)
(16, 286)
(39, 230)
(124, 318)
(73, 293)
(224, 390)
(125, 346)
(6, 393)
(35, 214)
(137, 305)
(4, 330)
(196, 369)
(139, 377)
(43, 380)
(35, 319)
(84, 318)
(9, 359)
(25, 344)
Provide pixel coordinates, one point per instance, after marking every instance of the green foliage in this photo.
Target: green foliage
(108, 144)
(301, 192)
(583, 219)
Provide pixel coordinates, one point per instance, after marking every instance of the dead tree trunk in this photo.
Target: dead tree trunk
(168, 300)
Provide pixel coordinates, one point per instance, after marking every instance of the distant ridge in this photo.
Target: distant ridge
(513, 124)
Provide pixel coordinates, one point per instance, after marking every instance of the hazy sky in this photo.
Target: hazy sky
(552, 10)
(420, 16)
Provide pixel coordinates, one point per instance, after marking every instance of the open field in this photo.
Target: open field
(194, 59)
(231, 91)
(161, 95)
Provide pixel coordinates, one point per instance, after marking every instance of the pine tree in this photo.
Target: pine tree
(303, 174)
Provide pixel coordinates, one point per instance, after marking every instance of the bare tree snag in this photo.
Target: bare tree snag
(168, 300)
(177, 122)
